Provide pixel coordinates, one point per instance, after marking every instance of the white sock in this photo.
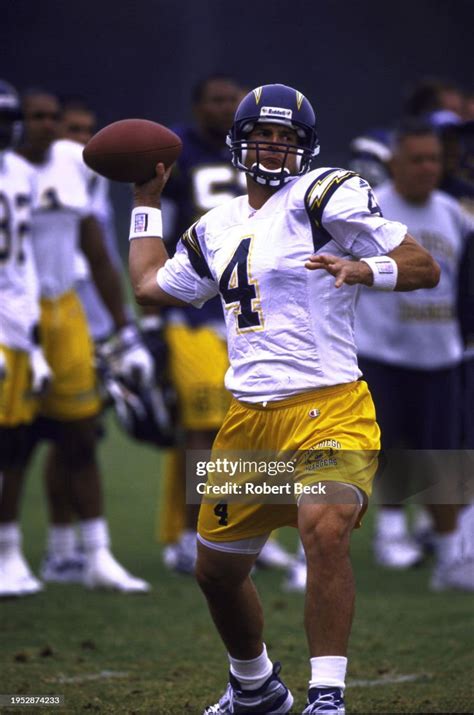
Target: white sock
(188, 539)
(94, 534)
(447, 547)
(252, 674)
(62, 541)
(328, 671)
(10, 538)
(422, 521)
(391, 523)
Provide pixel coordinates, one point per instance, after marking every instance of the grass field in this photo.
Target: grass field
(411, 651)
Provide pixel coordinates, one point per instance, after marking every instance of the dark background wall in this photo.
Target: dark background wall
(353, 59)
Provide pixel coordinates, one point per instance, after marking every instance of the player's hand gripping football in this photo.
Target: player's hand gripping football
(149, 193)
(344, 271)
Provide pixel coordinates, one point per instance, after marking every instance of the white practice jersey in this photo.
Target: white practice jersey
(101, 206)
(418, 329)
(289, 330)
(19, 310)
(63, 200)
(98, 317)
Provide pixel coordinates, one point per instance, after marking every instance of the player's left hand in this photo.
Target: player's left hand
(41, 373)
(344, 271)
(134, 361)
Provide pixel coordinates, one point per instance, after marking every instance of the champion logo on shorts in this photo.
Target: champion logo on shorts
(141, 223)
(314, 412)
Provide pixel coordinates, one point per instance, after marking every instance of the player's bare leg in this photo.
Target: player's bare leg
(16, 578)
(237, 613)
(64, 561)
(325, 531)
(232, 599)
(57, 489)
(76, 459)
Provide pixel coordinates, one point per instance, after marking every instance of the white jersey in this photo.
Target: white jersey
(98, 317)
(289, 330)
(19, 310)
(63, 200)
(418, 329)
(101, 206)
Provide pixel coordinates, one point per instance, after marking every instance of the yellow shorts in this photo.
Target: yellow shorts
(69, 351)
(198, 363)
(332, 434)
(17, 404)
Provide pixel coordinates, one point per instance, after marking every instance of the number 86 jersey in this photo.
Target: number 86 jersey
(19, 309)
(289, 330)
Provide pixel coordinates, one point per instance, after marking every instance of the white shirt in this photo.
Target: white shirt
(63, 181)
(289, 330)
(418, 329)
(19, 309)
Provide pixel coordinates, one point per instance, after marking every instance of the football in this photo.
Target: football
(129, 150)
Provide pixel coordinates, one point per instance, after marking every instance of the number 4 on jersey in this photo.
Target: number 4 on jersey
(239, 290)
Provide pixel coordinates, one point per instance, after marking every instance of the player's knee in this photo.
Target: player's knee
(212, 579)
(328, 535)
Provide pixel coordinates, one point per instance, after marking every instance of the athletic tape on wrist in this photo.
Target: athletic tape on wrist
(385, 271)
(146, 222)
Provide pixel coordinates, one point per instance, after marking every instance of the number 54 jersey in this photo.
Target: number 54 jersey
(289, 330)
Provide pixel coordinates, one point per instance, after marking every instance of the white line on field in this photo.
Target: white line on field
(389, 680)
(103, 675)
(109, 674)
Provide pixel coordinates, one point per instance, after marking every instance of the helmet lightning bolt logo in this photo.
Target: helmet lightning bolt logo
(258, 93)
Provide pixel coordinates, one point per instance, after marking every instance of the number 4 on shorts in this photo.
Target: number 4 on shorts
(222, 513)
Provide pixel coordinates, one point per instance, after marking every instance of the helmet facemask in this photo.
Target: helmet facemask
(274, 104)
(262, 174)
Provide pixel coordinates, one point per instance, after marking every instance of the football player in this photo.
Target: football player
(64, 561)
(203, 178)
(64, 218)
(24, 372)
(286, 260)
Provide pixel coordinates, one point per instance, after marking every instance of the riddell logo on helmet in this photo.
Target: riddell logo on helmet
(277, 112)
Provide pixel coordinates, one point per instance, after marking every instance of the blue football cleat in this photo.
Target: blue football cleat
(272, 698)
(325, 701)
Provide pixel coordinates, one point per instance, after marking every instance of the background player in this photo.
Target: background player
(63, 216)
(24, 372)
(64, 561)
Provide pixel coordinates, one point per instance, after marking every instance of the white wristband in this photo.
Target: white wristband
(146, 222)
(385, 272)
